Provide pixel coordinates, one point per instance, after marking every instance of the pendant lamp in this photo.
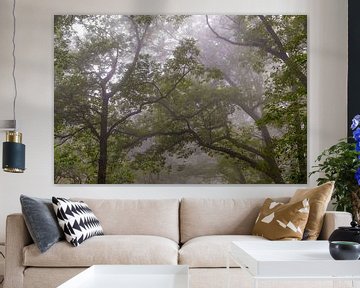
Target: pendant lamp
(13, 149)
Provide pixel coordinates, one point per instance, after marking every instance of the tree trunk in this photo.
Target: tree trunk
(103, 141)
(274, 169)
(300, 151)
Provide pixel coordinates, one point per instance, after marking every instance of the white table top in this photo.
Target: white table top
(131, 276)
(291, 259)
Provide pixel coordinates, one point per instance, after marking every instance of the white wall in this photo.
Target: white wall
(326, 104)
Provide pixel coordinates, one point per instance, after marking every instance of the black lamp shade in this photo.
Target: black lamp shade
(13, 157)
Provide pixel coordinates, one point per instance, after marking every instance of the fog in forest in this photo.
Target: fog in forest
(185, 99)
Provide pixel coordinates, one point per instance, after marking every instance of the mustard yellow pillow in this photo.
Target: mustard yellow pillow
(319, 198)
(279, 221)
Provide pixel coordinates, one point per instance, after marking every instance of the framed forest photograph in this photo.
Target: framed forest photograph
(180, 99)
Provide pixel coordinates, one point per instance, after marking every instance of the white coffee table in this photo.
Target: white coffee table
(292, 260)
(131, 276)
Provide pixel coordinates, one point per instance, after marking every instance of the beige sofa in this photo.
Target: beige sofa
(194, 232)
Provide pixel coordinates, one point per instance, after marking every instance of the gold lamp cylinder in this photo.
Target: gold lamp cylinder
(13, 136)
(13, 153)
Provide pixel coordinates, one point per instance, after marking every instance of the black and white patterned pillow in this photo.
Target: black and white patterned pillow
(77, 220)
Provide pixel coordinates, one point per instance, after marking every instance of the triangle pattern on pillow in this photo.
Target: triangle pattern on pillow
(77, 220)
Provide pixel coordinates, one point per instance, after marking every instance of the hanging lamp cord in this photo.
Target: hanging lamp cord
(14, 60)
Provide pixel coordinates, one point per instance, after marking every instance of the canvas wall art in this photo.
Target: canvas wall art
(180, 99)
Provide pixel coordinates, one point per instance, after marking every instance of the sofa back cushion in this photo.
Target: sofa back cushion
(159, 217)
(200, 217)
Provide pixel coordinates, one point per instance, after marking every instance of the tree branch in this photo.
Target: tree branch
(91, 127)
(261, 44)
(258, 44)
(66, 137)
(246, 147)
(142, 105)
(112, 71)
(282, 51)
(140, 138)
(252, 163)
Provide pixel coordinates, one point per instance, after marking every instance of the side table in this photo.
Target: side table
(131, 276)
(293, 264)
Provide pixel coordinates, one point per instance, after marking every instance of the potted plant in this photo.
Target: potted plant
(341, 163)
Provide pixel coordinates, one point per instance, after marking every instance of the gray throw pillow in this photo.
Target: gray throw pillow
(41, 221)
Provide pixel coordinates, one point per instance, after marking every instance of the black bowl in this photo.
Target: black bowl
(344, 250)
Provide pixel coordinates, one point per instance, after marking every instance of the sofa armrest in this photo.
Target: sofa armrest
(17, 237)
(333, 220)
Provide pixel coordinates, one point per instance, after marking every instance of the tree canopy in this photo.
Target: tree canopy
(180, 99)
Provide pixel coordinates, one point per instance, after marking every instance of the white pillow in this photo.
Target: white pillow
(76, 220)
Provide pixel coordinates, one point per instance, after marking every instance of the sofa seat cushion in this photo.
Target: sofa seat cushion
(107, 249)
(211, 251)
